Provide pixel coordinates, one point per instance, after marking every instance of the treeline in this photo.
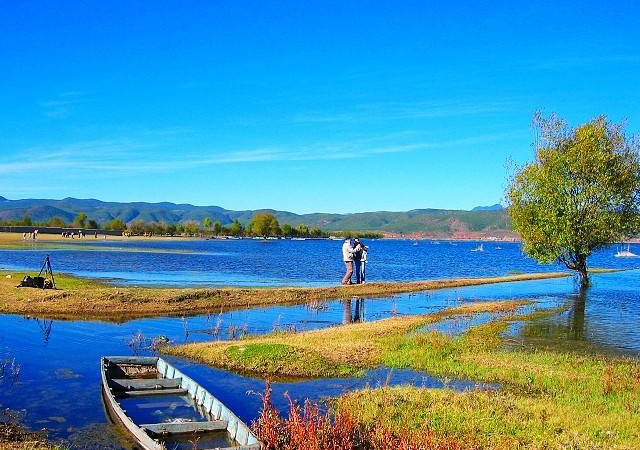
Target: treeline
(261, 225)
(80, 221)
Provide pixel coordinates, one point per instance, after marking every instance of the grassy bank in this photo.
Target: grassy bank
(549, 399)
(86, 299)
(329, 352)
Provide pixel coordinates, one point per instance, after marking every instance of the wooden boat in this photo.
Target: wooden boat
(130, 377)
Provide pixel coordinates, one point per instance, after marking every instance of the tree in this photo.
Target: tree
(217, 227)
(302, 230)
(207, 222)
(287, 230)
(57, 222)
(264, 224)
(80, 221)
(236, 228)
(191, 228)
(581, 193)
(92, 225)
(26, 221)
(137, 228)
(116, 224)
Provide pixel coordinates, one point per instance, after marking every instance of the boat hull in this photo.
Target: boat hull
(167, 381)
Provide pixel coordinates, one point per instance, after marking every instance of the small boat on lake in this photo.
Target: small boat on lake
(479, 248)
(625, 253)
(137, 385)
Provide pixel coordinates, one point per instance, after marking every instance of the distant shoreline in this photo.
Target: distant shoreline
(8, 238)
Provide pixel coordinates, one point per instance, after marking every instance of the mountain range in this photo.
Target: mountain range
(434, 222)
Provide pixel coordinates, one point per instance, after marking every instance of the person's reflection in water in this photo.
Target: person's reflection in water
(346, 317)
(358, 313)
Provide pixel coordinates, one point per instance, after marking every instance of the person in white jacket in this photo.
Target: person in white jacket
(347, 257)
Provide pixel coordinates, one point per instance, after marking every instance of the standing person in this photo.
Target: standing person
(363, 260)
(357, 259)
(347, 257)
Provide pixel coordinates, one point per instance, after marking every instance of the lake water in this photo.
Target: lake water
(58, 386)
(281, 262)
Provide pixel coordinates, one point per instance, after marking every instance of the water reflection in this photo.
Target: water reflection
(576, 322)
(355, 314)
(45, 328)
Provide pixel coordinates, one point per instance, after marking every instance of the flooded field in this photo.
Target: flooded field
(58, 381)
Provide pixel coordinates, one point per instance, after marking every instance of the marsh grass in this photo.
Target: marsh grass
(549, 399)
(337, 351)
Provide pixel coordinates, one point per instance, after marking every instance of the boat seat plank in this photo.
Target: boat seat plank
(134, 384)
(140, 360)
(155, 392)
(185, 427)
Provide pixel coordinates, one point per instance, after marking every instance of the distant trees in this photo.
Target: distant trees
(191, 228)
(261, 225)
(116, 224)
(236, 228)
(80, 221)
(581, 193)
(264, 225)
(287, 230)
(56, 222)
(217, 228)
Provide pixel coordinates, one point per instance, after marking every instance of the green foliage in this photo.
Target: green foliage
(302, 230)
(287, 230)
(80, 221)
(26, 221)
(92, 224)
(116, 224)
(191, 228)
(207, 222)
(217, 227)
(580, 194)
(236, 228)
(56, 222)
(264, 225)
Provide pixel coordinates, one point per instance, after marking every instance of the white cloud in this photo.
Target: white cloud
(143, 155)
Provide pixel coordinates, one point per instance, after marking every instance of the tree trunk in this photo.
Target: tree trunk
(581, 268)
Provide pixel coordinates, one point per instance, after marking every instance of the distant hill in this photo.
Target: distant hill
(433, 222)
(496, 207)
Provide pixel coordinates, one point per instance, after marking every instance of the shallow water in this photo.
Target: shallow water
(282, 262)
(59, 381)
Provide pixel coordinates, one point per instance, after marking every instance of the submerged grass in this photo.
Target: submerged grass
(79, 298)
(15, 437)
(549, 399)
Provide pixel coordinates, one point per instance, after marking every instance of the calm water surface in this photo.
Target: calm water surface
(59, 382)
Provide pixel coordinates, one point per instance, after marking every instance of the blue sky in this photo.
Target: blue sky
(304, 106)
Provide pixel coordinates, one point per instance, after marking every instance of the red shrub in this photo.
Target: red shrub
(311, 427)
